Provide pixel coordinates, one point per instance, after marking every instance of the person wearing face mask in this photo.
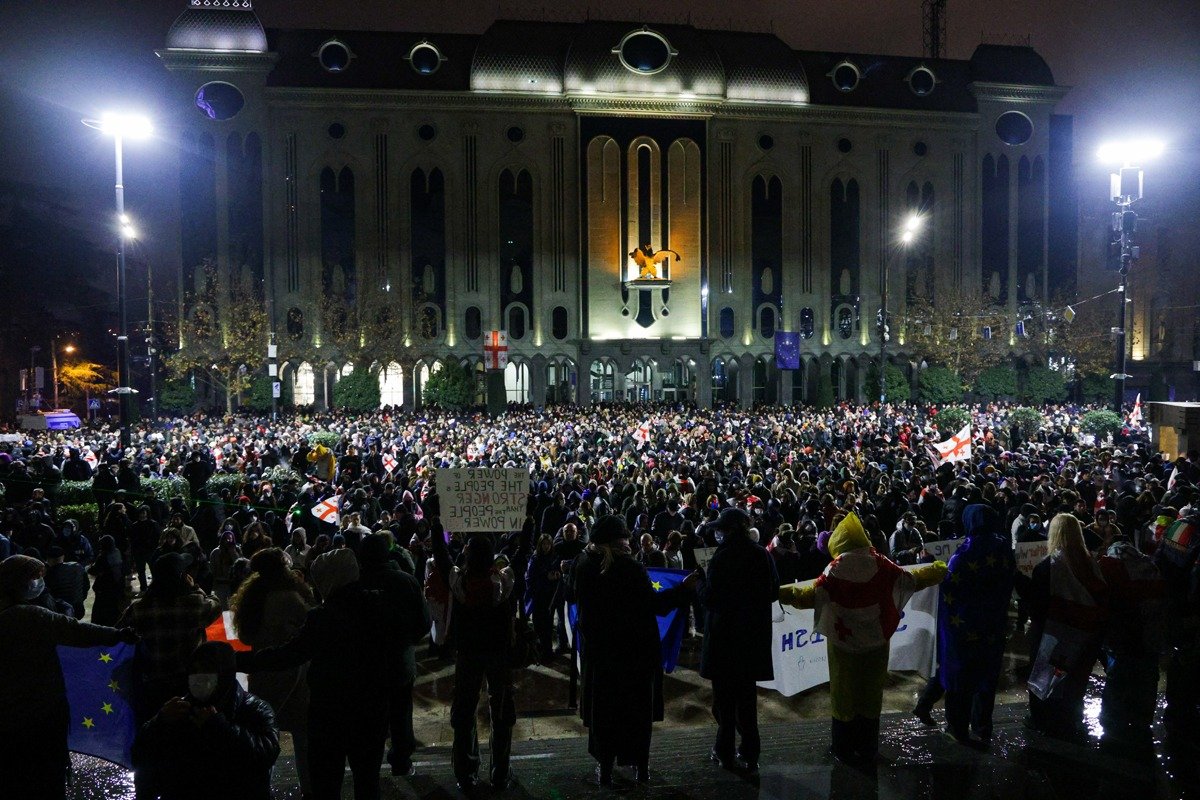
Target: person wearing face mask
(217, 740)
(33, 702)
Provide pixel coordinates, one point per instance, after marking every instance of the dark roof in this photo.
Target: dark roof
(1000, 63)
(883, 82)
(379, 60)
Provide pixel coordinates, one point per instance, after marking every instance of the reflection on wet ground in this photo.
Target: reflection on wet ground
(551, 758)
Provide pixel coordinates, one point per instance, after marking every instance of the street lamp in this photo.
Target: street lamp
(1126, 189)
(122, 127)
(68, 349)
(912, 226)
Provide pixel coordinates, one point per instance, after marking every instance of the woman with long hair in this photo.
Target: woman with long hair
(620, 648)
(110, 571)
(269, 609)
(1067, 597)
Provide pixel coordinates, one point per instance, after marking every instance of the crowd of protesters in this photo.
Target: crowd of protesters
(326, 544)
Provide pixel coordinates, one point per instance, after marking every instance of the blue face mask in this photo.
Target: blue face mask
(720, 537)
(34, 589)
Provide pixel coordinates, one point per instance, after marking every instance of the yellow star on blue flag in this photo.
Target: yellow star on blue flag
(656, 586)
(94, 676)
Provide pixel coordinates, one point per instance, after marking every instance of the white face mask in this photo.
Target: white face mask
(203, 685)
(719, 536)
(34, 589)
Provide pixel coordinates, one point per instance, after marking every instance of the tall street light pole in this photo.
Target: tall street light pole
(911, 226)
(121, 127)
(1125, 190)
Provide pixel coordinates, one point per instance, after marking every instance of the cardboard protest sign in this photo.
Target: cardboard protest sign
(480, 500)
(1029, 554)
(703, 556)
(941, 551)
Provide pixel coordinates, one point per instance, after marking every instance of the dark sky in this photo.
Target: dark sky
(1133, 66)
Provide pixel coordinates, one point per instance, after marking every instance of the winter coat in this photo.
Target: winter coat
(286, 690)
(740, 587)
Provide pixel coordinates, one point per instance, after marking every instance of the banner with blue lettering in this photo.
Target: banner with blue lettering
(799, 652)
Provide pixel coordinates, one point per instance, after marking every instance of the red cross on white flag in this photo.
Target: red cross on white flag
(326, 511)
(91, 459)
(957, 447)
(218, 455)
(642, 433)
(389, 462)
(495, 350)
(1135, 416)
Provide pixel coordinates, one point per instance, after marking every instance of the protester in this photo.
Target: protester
(542, 578)
(216, 740)
(110, 571)
(737, 592)
(269, 610)
(621, 695)
(1178, 560)
(66, 580)
(858, 600)
(33, 703)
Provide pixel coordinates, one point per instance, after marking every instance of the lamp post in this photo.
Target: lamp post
(54, 365)
(121, 127)
(911, 226)
(1125, 190)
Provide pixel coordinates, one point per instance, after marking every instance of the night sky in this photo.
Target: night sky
(1134, 67)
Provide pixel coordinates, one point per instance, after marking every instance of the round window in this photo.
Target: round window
(427, 132)
(337, 130)
(845, 77)
(920, 148)
(515, 134)
(645, 52)
(1014, 128)
(844, 145)
(921, 81)
(425, 58)
(766, 142)
(334, 56)
(219, 100)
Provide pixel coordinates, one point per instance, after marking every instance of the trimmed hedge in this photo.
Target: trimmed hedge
(327, 438)
(950, 420)
(1101, 423)
(86, 514)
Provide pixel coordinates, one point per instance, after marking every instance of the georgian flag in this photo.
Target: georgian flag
(91, 459)
(642, 433)
(218, 455)
(956, 448)
(1135, 416)
(389, 462)
(327, 511)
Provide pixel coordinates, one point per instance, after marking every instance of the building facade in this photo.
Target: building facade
(640, 207)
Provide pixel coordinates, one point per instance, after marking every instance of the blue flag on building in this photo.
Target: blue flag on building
(99, 683)
(670, 626)
(787, 350)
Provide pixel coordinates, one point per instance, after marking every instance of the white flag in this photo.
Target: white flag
(642, 433)
(957, 447)
(326, 511)
(389, 462)
(1135, 416)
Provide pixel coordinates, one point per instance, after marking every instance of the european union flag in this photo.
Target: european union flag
(99, 685)
(787, 350)
(672, 624)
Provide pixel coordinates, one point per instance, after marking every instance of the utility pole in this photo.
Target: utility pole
(151, 349)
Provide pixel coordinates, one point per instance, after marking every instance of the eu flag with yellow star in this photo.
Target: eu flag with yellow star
(99, 682)
(672, 624)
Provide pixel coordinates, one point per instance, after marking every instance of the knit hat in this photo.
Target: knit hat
(733, 520)
(609, 529)
(16, 572)
(333, 570)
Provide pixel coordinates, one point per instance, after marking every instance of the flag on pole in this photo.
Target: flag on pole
(495, 350)
(99, 681)
(221, 630)
(389, 462)
(1171, 480)
(641, 434)
(1135, 416)
(327, 510)
(956, 448)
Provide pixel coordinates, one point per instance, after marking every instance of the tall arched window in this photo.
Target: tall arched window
(305, 392)
(337, 232)
(391, 386)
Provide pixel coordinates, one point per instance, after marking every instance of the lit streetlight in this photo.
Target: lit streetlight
(122, 127)
(912, 226)
(68, 349)
(1125, 190)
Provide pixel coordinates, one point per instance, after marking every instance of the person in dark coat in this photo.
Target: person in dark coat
(217, 741)
(621, 652)
(972, 623)
(542, 576)
(407, 600)
(349, 641)
(737, 593)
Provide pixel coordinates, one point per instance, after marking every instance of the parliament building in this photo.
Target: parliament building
(640, 207)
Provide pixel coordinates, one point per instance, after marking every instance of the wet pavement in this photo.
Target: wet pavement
(551, 761)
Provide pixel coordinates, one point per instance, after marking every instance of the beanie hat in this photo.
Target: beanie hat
(333, 570)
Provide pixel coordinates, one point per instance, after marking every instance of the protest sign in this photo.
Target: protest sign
(800, 656)
(703, 556)
(479, 500)
(941, 551)
(1029, 554)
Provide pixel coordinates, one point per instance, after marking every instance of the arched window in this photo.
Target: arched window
(391, 386)
(845, 322)
(516, 323)
(429, 323)
(808, 324)
(558, 323)
(516, 382)
(474, 323)
(766, 322)
(305, 392)
(726, 322)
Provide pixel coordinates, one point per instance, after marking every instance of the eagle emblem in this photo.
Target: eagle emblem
(647, 261)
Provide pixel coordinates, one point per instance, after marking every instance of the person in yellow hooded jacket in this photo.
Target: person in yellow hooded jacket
(323, 463)
(858, 600)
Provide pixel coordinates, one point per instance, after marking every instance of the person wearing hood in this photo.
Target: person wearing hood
(322, 463)
(349, 643)
(972, 622)
(858, 600)
(33, 700)
(216, 740)
(737, 593)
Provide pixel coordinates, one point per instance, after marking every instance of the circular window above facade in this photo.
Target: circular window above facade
(427, 132)
(921, 81)
(844, 145)
(1014, 128)
(425, 58)
(337, 130)
(766, 142)
(515, 134)
(644, 52)
(845, 76)
(920, 148)
(219, 100)
(334, 56)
